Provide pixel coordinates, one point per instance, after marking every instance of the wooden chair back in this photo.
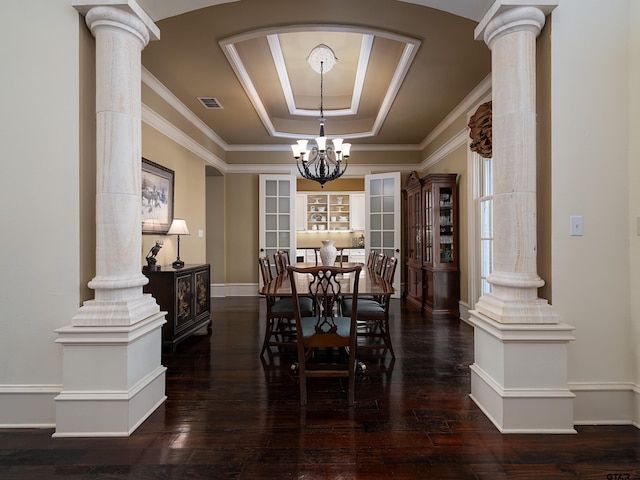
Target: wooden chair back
(326, 328)
(390, 269)
(265, 269)
(286, 261)
(371, 261)
(279, 261)
(381, 261)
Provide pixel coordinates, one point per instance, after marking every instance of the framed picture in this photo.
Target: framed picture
(157, 198)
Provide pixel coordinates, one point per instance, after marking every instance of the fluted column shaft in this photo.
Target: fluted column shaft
(120, 35)
(511, 35)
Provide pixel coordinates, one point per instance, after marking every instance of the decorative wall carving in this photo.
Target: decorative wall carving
(480, 131)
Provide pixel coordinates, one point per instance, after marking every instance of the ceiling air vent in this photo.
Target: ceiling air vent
(210, 102)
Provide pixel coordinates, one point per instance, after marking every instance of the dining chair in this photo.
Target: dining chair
(286, 261)
(279, 329)
(371, 261)
(381, 260)
(373, 315)
(327, 329)
(281, 260)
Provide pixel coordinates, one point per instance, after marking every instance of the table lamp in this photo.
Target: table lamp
(178, 227)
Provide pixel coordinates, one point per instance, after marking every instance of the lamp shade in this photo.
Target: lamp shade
(178, 227)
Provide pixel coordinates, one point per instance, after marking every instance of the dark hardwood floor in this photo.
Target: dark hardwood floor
(231, 416)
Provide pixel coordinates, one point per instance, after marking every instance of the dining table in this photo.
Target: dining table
(369, 284)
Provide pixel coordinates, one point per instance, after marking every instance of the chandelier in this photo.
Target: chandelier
(321, 163)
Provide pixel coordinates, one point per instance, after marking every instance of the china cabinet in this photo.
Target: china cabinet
(185, 295)
(433, 277)
(440, 254)
(414, 231)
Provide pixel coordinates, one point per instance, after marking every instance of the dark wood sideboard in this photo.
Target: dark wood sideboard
(185, 294)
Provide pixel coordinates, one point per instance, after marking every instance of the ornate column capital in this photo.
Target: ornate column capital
(510, 16)
(124, 14)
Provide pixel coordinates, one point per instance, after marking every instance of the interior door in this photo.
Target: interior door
(277, 216)
(383, 218)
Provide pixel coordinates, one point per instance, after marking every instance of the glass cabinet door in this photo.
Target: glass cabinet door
(415, 227)
(446, 232)
(428, 225)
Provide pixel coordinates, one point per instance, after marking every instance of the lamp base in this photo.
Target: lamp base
(177, 264)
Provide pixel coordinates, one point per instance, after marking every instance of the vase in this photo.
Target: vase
(328, 253)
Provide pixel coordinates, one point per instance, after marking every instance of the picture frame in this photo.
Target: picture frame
(156, 198)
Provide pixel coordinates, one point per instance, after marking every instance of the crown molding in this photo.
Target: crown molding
(153, 119)
(163, 92)
(480, 91)
(158, 122)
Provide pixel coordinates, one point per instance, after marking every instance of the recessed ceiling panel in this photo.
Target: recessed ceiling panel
(339, 82)
(356, 93)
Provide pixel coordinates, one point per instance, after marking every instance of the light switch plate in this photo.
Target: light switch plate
(576, 225)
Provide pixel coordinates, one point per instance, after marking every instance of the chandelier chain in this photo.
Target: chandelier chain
(322, 163)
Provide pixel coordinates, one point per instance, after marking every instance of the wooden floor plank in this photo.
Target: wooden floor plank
(231, 415)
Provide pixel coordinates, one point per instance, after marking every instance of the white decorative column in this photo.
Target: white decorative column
(112, 376)
(519, 377)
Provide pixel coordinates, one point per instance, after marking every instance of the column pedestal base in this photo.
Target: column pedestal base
(519, 377)
(113, 378)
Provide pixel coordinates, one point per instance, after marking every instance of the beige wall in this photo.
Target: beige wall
(543, 170)
(591, 162)
(189, 198)
(634, 183)
(216, 228)
(87, 58)
(39, 202)
(344, 184)
(241, 208)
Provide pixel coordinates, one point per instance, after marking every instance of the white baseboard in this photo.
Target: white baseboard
(522, 410)
(606, 403)
(28, 406)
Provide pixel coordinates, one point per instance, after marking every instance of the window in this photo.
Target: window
(484, 203)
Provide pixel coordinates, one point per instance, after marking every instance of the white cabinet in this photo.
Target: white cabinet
(357, 211)
(356, 255)
(301, 212)
(310, 255)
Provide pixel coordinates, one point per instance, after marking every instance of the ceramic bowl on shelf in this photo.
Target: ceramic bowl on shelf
(321, 209)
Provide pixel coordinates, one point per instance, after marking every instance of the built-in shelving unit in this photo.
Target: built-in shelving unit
(336, 212)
